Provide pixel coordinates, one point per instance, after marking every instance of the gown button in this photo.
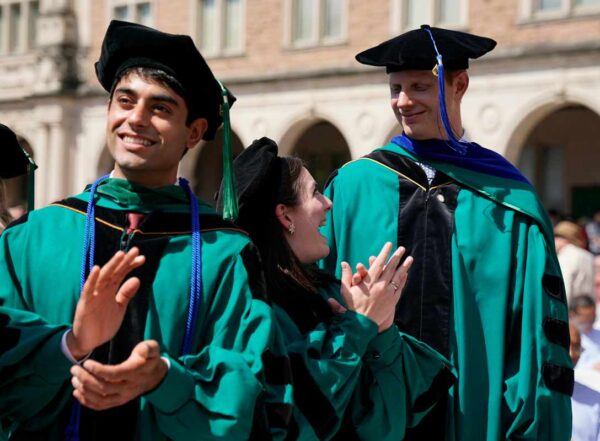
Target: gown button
(440, 197)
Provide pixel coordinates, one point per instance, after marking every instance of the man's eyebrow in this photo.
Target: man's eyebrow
(158, 97)
(125, 90)
(165, 98)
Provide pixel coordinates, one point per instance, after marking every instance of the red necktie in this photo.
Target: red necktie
(134, 221)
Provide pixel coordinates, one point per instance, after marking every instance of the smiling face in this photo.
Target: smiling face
(147, 132)
(307, 243)
(414, 100)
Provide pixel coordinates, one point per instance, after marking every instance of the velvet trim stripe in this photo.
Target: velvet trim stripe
(553, 286)
(559, 378)
(169, 224)
(256, 279)
(557, 331)
(278, 370)
(10, 336)
(425, 223)
(310, 400)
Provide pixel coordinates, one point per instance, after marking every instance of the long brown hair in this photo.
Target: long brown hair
(290, 284)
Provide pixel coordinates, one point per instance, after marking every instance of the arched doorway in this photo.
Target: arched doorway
(324, 149)
(560, 156)
(16, 188)
(208, 171)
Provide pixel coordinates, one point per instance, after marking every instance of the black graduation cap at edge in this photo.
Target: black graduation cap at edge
(129, 45)
(413, 50)
(16, 161)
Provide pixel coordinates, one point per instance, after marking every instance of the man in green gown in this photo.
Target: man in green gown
(176, 352)
(485, 288)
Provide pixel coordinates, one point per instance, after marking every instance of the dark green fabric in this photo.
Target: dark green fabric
(501, 249)
(210, 393)
(350, 364)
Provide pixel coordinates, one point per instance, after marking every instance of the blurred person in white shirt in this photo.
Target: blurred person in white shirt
(586, 396)
(583, 315)
(576, 263)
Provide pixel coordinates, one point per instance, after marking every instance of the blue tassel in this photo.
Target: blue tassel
(453, 142)
(89, 240)
(196, 277)
(87, 263)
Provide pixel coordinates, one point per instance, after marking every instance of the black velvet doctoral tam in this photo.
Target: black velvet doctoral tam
(127, 45)
(414, 50)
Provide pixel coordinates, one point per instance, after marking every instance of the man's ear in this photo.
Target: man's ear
(281, 214)
(461, 84)
(198, 128)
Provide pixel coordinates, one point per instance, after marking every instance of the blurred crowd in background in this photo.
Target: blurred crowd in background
(578, 249)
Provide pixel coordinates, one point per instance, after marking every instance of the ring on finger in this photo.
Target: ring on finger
(395, 286)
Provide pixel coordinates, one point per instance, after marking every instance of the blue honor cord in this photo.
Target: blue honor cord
(87, 263)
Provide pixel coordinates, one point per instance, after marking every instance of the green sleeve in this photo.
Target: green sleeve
(538, 378)
(34, 373)
(326, 365)
(402, 378)
(214, 390)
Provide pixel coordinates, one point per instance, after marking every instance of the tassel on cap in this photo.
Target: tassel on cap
(453, 141)
(230, 202)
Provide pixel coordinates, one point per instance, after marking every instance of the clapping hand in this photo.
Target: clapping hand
(101, 386)
(103, 302)
(376, 291)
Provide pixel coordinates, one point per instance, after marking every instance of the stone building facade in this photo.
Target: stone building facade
(535, 99)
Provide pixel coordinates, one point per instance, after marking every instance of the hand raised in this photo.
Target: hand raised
(100, 386)
(103, 302)
(378, 293)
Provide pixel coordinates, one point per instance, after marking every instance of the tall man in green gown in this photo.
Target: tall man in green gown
(175, 352)
(485, 288)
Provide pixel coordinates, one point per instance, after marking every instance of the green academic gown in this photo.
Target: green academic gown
(340, 363)
(210, 393)
(485, 289)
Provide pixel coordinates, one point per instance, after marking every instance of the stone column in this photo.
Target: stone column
(58, 163)
(42, 174)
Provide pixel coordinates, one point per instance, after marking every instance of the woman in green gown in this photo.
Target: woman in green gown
(355, 376)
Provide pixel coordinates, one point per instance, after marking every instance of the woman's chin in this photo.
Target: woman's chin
(315, 256)
(323, 254)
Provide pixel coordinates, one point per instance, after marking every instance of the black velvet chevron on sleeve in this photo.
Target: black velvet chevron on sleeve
(553, 287)
(557, 332)
(559, 378)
